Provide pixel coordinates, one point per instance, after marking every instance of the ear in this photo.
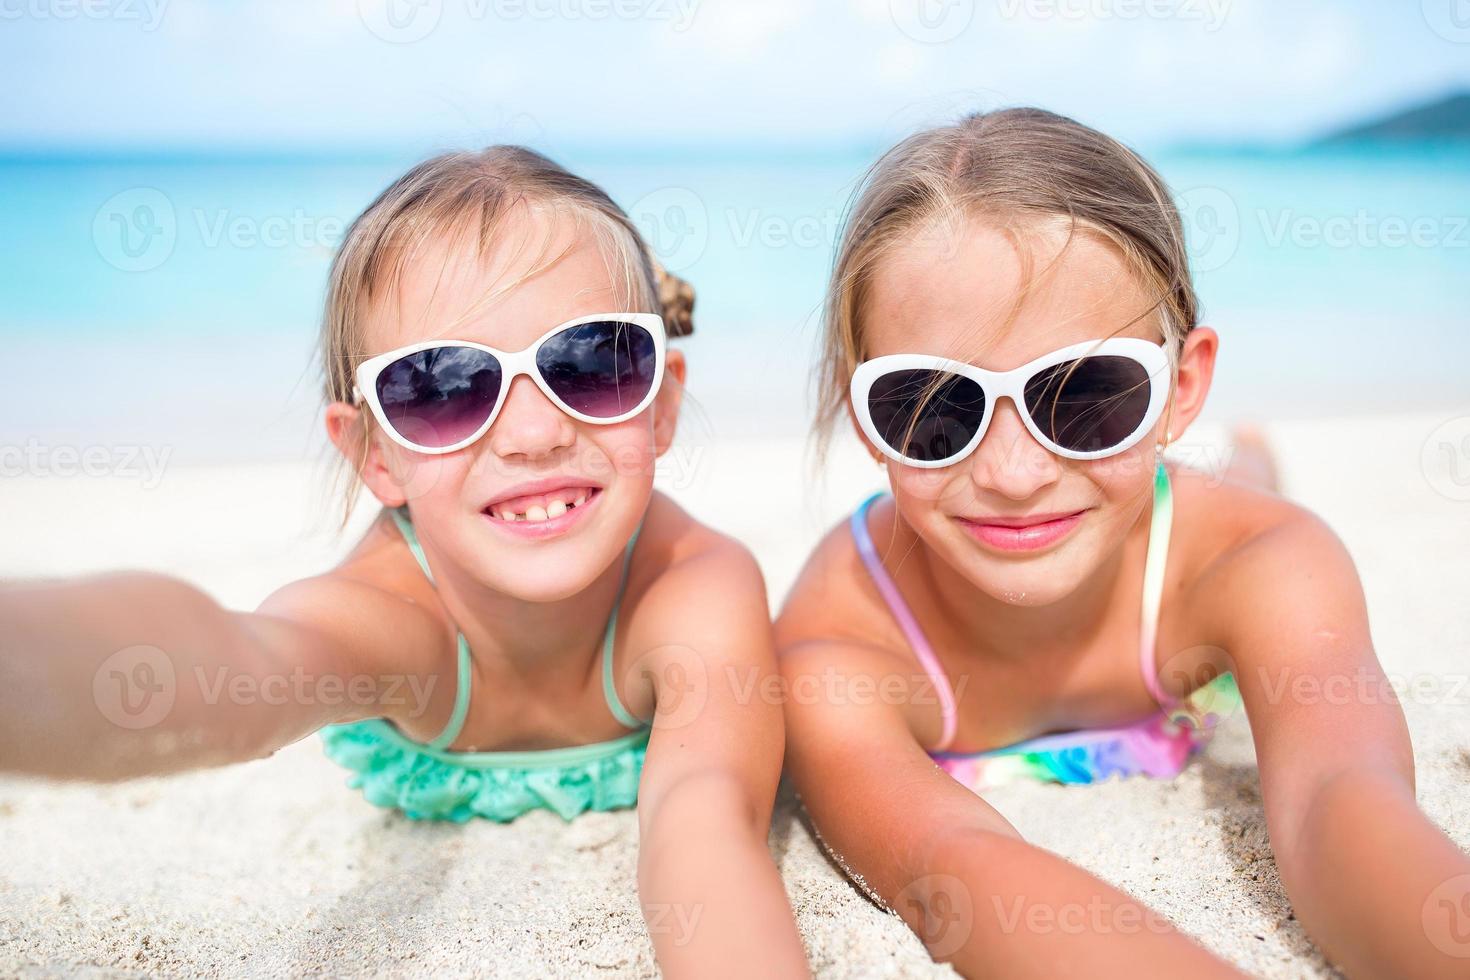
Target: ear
(666, 402)
(348, 430)
(1196, 371)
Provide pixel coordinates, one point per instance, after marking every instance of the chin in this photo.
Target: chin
(1021, 580)
(1025, 589)
(539, 579)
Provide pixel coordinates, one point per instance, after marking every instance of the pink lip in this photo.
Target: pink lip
(1030, 533)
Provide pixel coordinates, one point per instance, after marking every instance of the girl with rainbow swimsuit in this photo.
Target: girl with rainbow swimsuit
(1012, 330)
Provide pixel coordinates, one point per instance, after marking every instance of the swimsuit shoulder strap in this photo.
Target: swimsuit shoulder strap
(906, 621)
(405, 526)
(462, 688)
(609, 686)
(461, 700)
(1161, 523)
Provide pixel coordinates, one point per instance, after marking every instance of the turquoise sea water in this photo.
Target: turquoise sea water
(174, 300)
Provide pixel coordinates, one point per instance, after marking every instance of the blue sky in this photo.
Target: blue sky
(402, 75)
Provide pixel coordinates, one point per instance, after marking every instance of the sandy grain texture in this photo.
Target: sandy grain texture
(274, 867)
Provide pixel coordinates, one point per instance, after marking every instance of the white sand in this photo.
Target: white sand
(275, 867)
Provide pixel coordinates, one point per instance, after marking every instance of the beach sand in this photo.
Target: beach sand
(275, 867)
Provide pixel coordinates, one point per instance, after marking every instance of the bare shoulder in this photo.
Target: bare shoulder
(834, 617)
(685, 572)
(1247, 548)
(849, 672)
(695, 607)
(368, 614)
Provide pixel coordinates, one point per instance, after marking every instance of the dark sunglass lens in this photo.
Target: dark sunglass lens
(1091, 404)
(603, 369)
(926, 415)
(440, 396)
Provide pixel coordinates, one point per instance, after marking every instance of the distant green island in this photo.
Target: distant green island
(1444, 120)
(1441, 125)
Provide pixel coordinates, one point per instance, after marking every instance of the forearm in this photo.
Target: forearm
(977, 895)
(128, 674)
(1375, 883)
(711, 894)
(994, 905)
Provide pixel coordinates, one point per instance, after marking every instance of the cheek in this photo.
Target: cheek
(626, 450)
(1123, 489)
(422, 476)
(1125, 478)
(927, 487)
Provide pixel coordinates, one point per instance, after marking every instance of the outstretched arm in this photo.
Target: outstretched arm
(711, 894)
(1374, 882)
(128, 674)
(941, 857)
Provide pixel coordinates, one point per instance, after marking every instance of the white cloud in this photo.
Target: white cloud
(277, 71)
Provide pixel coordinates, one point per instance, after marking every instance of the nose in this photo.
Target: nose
(529, 425)
(1009, 461)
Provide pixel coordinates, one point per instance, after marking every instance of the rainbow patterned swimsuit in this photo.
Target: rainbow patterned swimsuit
(1158, 746)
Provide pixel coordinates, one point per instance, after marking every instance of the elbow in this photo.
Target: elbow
(987, 845)
(700, 806)
(714, 795)
(1342, 806)
(959, 868)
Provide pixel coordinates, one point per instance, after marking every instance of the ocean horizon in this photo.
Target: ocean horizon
(182, 290)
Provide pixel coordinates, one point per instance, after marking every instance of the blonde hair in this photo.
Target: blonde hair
(1021, 163)
(464, 197)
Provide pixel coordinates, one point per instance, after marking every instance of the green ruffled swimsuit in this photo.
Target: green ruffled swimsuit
(429, 782)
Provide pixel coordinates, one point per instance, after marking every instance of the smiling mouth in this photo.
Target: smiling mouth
(537, 508)
(1027, 534)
